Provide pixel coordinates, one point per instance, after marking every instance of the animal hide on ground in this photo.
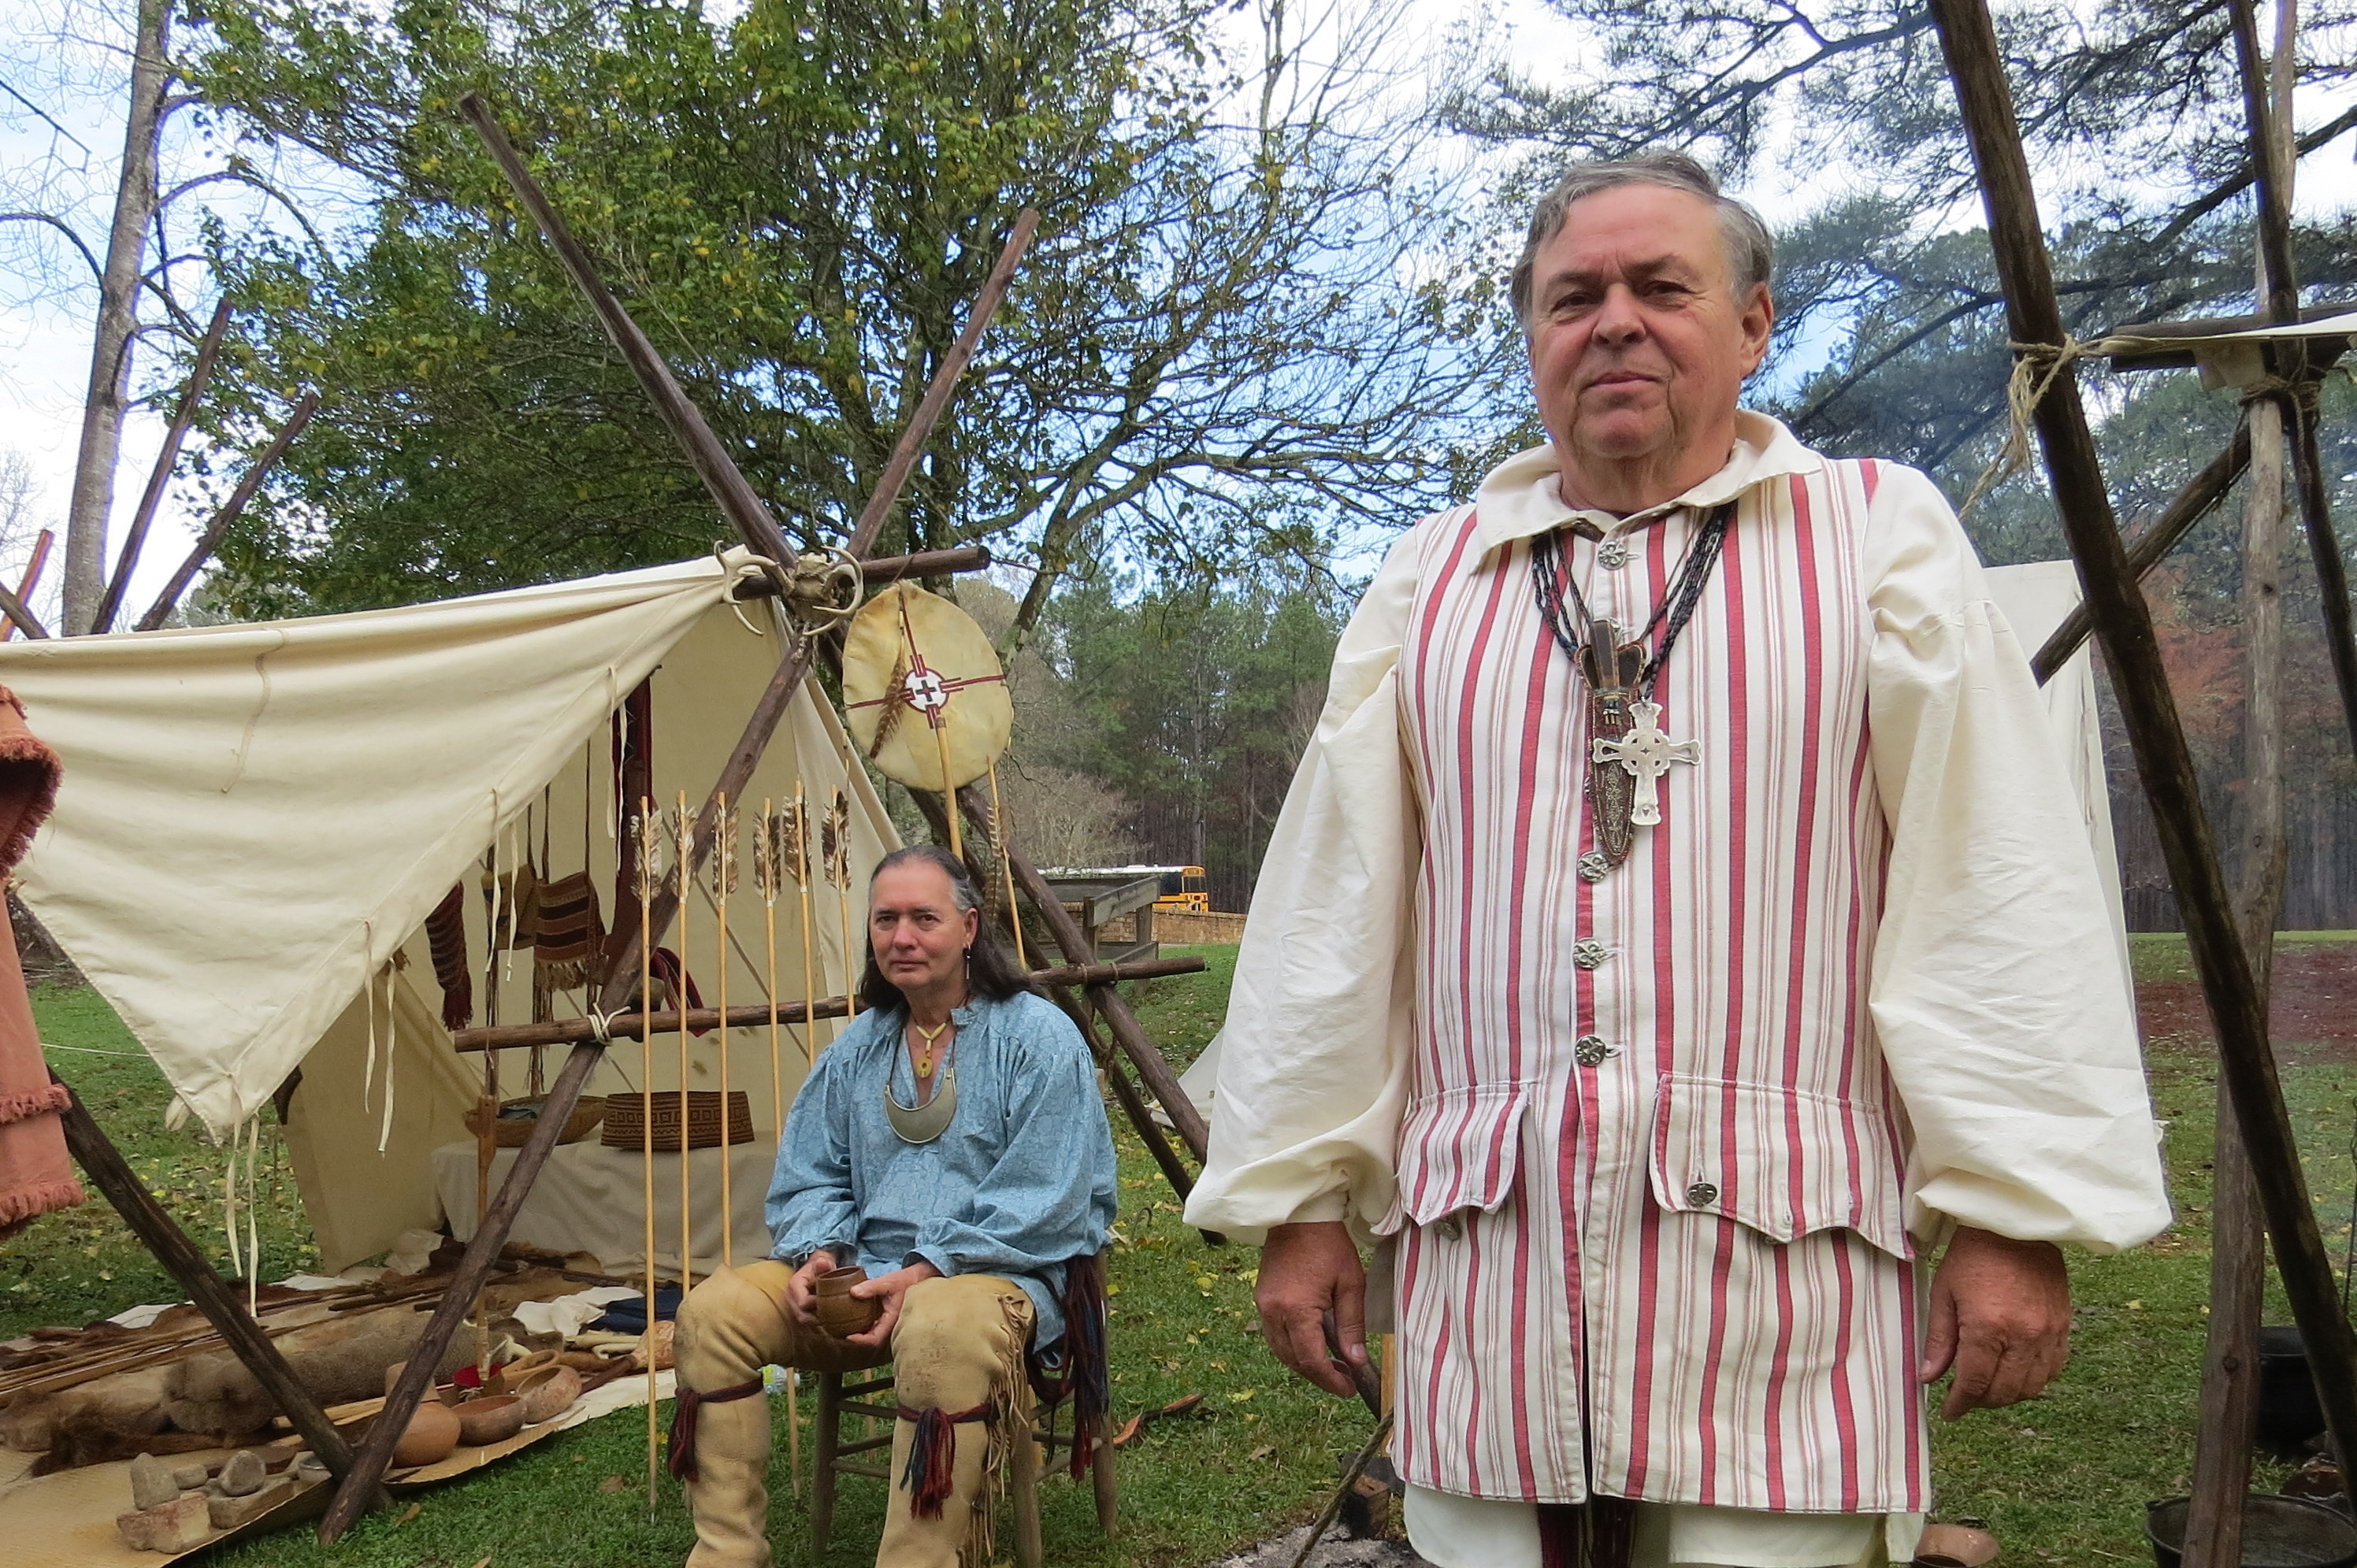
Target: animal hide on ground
(198, 1402)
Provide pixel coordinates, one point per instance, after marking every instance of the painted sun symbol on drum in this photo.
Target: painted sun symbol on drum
(924, 690)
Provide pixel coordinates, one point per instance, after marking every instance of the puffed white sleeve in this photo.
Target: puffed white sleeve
(1998, 990)
(1314, 1057)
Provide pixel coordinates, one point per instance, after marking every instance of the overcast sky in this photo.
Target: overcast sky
(76, 82)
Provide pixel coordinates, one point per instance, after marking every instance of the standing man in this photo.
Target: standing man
(1680, 932)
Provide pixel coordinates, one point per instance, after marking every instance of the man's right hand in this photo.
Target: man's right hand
(1306, 1271)
(800, 1303)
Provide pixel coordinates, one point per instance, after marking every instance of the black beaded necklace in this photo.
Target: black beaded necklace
(1628, 752)
(1575, 627)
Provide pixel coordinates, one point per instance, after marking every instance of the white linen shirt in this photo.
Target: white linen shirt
(1795, 1113)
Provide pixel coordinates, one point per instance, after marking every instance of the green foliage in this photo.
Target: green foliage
(1197, 699)
(1891, 339)
(799, 205)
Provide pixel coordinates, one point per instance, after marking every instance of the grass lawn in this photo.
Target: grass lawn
(2063, 1480)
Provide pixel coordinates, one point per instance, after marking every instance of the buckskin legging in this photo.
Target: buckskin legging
(957, 1357)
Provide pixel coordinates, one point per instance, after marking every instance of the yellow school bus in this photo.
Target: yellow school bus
(1184, 887)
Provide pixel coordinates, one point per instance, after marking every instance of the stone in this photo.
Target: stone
(153, 1482)
(189, 1477)
(181, 1525)
(243, 1474)
(228, 1512)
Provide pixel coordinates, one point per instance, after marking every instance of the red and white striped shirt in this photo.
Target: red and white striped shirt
(1658, 1148)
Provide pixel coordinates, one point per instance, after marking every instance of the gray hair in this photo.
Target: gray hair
(1750, 250)
(962, 892)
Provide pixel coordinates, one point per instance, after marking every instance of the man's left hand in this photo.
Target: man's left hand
(2001, 1316)
(892, 1290)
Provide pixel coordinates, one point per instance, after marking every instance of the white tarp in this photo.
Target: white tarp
(254, 818)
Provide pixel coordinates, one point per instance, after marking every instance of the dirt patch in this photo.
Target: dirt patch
(2314, 1001)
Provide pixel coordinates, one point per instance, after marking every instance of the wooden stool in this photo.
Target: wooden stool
(1031, 1465)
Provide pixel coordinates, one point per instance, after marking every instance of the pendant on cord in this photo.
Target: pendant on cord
(1627, 752)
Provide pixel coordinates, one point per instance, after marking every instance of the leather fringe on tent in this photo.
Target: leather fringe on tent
(570, 931)
(446, 935)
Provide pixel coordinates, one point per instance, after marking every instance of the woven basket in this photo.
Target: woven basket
(626, 1129)
(510, 1132)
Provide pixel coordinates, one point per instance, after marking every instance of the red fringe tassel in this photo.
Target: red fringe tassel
(932, 1454)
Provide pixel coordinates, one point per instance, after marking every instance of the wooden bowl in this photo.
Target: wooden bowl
(510, 1132)
(494, 1418)
(547, 1393)
(840, 1313)
(442, 1392)
(432, 1432)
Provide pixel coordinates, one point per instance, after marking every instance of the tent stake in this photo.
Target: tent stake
(376, 1452)
(2122, 625)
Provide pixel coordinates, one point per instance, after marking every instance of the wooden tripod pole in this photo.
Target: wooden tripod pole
(2122, 625)
(759, 532)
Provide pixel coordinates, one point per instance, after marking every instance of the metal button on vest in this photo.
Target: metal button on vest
(1449, 1228)
(1587, 952)
(1702, 1195)
(1593, 866)
(1590, 1050)
(1613, 554)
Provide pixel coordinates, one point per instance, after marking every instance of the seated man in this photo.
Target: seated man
(952, 1144)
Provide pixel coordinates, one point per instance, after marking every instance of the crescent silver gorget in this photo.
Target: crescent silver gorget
(924, 1124)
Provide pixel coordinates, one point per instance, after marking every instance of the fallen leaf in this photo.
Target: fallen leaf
(486, 1563)
(411, 1512)
(1263, 1452)
(612, 1484)
(1240, 1395)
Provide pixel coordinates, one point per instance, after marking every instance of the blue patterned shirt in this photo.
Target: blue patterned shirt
(1022, 1179)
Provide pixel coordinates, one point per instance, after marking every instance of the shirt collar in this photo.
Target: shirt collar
(1518, 498)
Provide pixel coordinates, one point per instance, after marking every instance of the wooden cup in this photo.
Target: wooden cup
(840, 1314)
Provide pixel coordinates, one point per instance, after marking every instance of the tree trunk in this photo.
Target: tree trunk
(118, 312)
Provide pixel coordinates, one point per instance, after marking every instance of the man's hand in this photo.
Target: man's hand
(1307, 1270)
(2001, 1316)
(892, 1290)
(800, 1306)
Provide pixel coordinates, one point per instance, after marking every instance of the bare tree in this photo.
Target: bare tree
(118, 236)
(119, 284)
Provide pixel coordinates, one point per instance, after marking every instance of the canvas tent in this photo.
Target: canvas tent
(256, 820)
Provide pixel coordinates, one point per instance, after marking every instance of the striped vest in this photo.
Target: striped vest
(1649, 1221)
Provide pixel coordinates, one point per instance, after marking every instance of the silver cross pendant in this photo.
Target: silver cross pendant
(1645, 754)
